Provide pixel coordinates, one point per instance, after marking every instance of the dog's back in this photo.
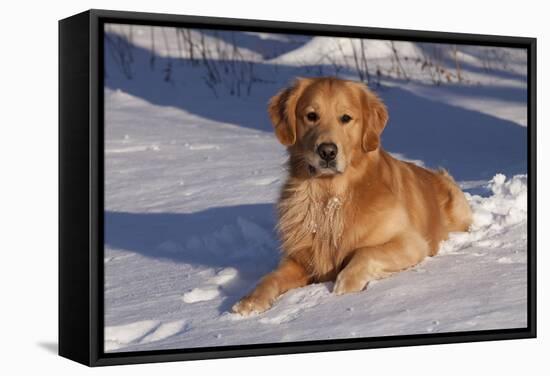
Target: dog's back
(435, 203)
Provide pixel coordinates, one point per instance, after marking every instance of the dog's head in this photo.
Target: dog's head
(327, 123)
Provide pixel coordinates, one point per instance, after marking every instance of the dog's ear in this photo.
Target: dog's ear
(375, 117)
(282, 110)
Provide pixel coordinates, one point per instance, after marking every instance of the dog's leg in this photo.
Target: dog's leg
(370, 263)
(287, 276)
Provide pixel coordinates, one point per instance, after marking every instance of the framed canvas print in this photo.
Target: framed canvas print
(240, 187)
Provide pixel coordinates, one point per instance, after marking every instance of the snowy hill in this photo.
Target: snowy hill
(193, 170)
(329, 50)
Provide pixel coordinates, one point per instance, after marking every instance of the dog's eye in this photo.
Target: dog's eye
(345, 119)
(312, 116)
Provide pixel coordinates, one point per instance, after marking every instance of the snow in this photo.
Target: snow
(168, 42)
(330, 49)
(164, 330)
(224, 276)
(511, 108)
(120, 335)
(140, 332)
(493, 216)
(192, 175)
(201, 294)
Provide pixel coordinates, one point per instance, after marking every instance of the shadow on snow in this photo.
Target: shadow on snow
(240, 236)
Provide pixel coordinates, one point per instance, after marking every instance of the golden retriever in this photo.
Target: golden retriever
(349, 212)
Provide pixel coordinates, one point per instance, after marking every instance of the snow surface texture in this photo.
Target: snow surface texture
(192, 174)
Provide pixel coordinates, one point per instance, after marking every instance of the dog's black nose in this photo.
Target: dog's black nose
(327, 151)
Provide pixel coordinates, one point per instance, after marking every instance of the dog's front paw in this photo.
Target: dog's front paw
(347, 282)
(251, 304)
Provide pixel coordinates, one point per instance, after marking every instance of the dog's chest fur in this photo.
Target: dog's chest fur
(311, 225)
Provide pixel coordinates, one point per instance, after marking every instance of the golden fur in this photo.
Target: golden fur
(365, 216)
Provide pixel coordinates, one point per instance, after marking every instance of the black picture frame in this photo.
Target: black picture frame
(81, 188)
